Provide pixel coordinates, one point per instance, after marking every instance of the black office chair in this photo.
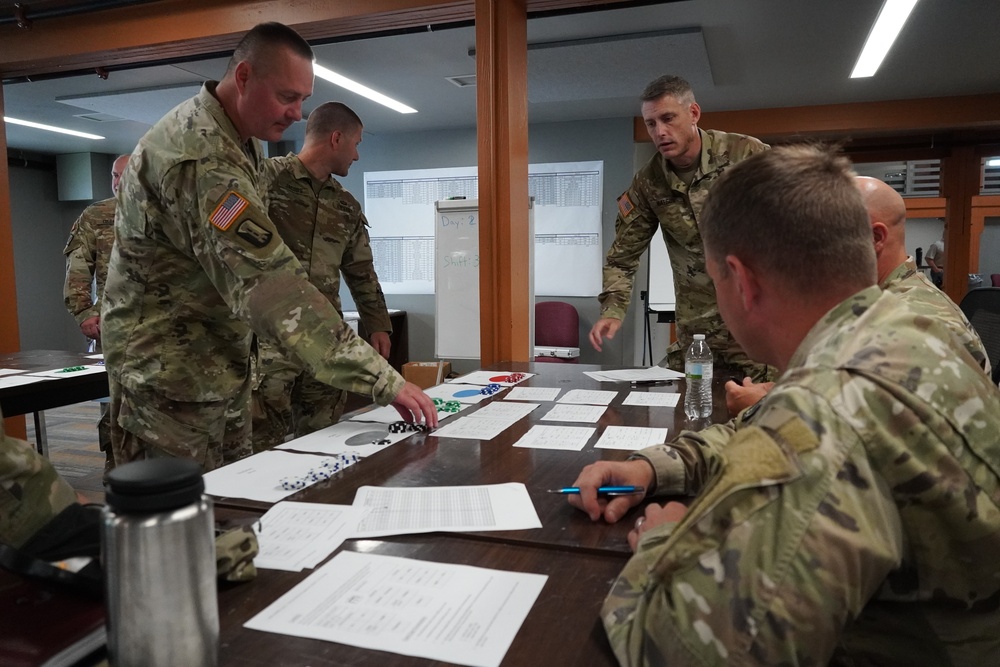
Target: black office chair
(982, 307)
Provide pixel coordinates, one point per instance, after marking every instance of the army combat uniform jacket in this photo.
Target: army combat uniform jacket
(87, 252)
(658, 198)
(850, 519)
(324, 227)
(197, 264)
(920, 293)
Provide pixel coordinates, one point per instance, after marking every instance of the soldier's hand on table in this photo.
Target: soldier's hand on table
(610, 473)
(655, 515)
(380, 341)
(742, 396)
(413, 405)
(91, 327)
(604, 328)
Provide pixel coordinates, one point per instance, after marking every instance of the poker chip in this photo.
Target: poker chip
(324, 471)
(368, 438)
(404, 427)
(510, 378)
(446, 406)
(490, 389)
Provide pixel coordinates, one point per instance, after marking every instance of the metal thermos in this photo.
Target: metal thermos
(158, 547)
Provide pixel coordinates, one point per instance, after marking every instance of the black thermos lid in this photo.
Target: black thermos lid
(153, 485)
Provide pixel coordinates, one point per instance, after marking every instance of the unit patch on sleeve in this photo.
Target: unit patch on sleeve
(253, 233)
(228, 210)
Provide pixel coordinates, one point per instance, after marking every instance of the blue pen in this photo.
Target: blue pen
(603, 490)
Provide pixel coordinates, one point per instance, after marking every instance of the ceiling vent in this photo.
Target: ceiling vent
(463, 81)
(991, 178)
(915, 178)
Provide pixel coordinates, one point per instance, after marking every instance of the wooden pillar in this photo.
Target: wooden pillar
(10, 338)
(961, 173)
(504, 239)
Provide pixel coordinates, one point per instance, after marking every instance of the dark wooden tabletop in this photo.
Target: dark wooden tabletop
(563, 627)
(428, 460)
(580, 557)
(52, 393)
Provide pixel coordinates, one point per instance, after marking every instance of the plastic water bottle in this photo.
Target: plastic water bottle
(698, 373)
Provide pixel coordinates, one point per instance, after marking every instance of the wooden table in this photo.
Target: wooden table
(580, 557)
(53, 393)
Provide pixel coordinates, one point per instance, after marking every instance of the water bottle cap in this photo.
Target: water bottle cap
(699, 336)
(154, 485)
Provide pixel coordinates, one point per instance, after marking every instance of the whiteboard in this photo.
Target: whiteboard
(568, 202)
(661, 277)
(456, 264)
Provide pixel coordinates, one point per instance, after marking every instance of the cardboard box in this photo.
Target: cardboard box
(426, 374)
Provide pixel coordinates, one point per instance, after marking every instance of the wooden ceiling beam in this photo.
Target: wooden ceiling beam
(176, 29)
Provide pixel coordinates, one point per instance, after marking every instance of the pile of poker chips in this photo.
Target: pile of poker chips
(403, 427)
(490, 389)
(330, 466)
(446, 406)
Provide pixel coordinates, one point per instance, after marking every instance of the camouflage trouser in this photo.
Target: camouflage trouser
(288, 401)
(145, 424)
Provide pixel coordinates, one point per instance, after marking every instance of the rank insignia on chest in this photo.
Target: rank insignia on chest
(625, 205)
(228, 210)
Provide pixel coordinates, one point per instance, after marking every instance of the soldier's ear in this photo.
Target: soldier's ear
(879, 234)
(242, 75)
(695, 113)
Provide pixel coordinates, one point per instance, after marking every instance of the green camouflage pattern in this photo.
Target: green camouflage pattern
(324, 227)
(87, 251)
(920, 293)
(659, 198)
(852, 517)
(234, 553)
(31, 492)
(197, 265)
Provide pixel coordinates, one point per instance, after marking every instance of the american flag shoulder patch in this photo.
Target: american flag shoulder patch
(625, 205)
(228, 210)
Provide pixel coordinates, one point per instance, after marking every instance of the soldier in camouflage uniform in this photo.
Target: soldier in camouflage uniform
(669, 192)
(197, 264)
(853, 516)
(322, 224)
(31, 491)
(87, 252)
(898, 274)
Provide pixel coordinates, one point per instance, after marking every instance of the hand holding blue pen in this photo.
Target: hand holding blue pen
(603, 490)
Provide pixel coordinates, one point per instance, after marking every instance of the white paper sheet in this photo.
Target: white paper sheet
(481, 428)
(463, 393)
(402, 511)
(293, 536)
(533, 394)
(18, 380)
(10, 371)
(346, 438)
(504, 410)
(66, 373)
(652, 399)
(651, 374)
(452, 613)
(258, 477)
(492, 377)
(569, 438)
(388, 414)
(631, 437)
(565, 412)
(588, 396)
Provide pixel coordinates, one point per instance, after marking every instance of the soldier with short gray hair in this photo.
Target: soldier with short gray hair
(198, 266)
(668, 194)
(852, 517)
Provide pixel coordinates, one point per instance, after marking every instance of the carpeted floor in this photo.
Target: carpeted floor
(73, 449)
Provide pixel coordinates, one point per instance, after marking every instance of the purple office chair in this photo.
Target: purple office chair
(995, 279)
(557, 324)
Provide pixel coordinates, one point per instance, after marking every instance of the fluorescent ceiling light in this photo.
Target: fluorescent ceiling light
(364, 91)
(993, 162)
(50, 128)
(887, 26)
